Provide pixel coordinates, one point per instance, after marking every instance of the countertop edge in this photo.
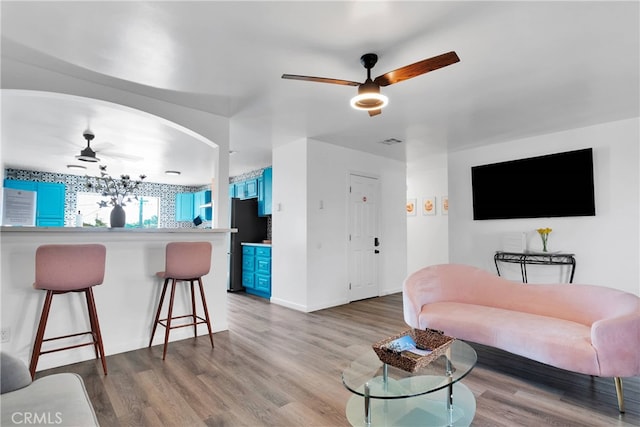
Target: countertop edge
(113, 230)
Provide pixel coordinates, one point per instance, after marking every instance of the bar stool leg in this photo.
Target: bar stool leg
(193, 311)
(155, 323)
(168, 327)
(37, 346)
(95, 328)
(206, 310)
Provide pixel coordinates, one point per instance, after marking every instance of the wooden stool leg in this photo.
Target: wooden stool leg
(155, 323)
(193, 311)
(168, 327)
(206, 310)
(95, 327)
(37, 346)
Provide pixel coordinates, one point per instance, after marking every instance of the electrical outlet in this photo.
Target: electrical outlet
(6, 334)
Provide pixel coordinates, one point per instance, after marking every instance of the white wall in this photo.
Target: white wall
(606, 245)
(313, 242)
(289, 226)
(427, 236)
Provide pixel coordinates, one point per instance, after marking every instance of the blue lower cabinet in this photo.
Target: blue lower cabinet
(256, 269)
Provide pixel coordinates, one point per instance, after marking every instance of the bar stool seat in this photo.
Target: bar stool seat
(61, 269)
(184, 262)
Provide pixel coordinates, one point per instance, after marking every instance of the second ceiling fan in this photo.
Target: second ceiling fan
(369, 97)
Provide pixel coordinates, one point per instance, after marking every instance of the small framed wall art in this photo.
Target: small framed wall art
(444, 209)
(411, 207)
(429, 205)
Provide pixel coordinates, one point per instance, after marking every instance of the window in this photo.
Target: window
(141, 213)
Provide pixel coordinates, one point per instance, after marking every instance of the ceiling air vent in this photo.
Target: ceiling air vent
(390, 141)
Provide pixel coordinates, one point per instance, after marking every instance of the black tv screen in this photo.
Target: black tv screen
(555, 185)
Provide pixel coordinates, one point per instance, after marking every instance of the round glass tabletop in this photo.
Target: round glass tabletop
(387, 382)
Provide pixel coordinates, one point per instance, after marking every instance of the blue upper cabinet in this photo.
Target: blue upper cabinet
(184, 207)
(260, 188)
(50, 200)
(21, 185)
(265, 200)
(240, 190)
(189, 206)
(50, 204)
(251, 188)
(199, 199)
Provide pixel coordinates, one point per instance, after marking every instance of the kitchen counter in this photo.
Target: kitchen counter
(127, 299)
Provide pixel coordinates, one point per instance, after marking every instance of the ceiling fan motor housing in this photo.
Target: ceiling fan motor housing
(87, 154)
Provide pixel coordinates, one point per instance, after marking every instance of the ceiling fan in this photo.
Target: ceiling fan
(369, 97)
(87, 154)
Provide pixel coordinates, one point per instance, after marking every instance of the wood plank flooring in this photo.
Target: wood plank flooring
(279, 367)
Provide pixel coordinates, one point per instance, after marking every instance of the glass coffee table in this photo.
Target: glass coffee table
(431, 396)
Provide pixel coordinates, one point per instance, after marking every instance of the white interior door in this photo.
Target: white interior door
(363, 237)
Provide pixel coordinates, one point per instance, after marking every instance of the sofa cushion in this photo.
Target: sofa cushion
(561, 343)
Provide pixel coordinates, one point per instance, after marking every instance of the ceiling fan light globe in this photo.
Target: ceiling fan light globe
(369, 101)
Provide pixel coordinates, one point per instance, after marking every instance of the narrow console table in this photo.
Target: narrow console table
(535, 258)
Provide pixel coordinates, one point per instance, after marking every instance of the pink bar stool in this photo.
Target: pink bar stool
(69, 268)
(184, 262)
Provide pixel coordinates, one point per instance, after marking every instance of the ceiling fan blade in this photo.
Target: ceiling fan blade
(414, 70)
(375, 112)
(320, 80)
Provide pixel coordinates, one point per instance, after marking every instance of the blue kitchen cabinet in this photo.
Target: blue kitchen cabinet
(21, 185)
(251, 188)
(50, 204)
(247, 189)
(248, 266)
(188, 206)
(265, 200)
(50, 200)
(240, 187)
(232, 191)
(202, 198)
(184, 207)
(256, 269)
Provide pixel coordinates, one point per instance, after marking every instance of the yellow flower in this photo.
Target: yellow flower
(544, 231)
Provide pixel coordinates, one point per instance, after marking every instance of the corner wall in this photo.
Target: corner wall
(310, 248)
(427, 235)
(606, 245)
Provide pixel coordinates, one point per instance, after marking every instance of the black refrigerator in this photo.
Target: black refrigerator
(251, 229)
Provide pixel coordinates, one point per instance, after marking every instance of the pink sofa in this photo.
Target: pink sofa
(587, 329)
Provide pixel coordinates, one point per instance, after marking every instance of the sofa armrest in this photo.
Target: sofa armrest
(59, 399)
(14, 374)
(616, 341)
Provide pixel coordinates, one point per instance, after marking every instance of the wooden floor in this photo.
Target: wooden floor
(280, 367)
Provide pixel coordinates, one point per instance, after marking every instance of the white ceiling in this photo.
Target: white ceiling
(526, 68)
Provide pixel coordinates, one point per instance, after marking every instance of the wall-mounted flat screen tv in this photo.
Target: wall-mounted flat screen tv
(554, 185)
